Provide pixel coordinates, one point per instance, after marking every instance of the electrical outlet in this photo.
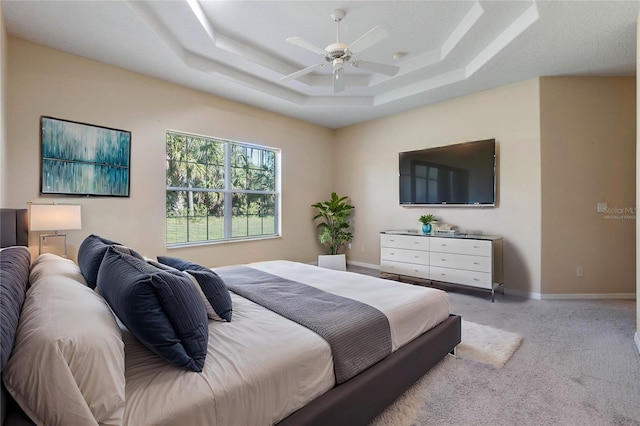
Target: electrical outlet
(349, 246)
(579, 271)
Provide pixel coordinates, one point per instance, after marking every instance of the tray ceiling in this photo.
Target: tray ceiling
(238, 49)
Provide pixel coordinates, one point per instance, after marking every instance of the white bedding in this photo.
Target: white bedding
(260, 353)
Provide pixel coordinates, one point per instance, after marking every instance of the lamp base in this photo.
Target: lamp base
(53, 243)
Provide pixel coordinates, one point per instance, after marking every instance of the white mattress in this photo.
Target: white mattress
(261, 367)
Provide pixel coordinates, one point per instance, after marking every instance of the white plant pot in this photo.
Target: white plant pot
(333, 261)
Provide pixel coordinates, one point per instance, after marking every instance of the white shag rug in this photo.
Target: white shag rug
(480, 343)
(487, 344)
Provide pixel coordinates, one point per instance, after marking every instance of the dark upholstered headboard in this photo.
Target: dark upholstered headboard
(13, 227)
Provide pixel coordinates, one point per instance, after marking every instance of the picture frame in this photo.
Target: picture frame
(84, 159)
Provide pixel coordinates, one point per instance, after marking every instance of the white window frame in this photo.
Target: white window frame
(228, 192)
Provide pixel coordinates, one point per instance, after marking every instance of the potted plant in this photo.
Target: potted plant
(333, 229)
(427, 220)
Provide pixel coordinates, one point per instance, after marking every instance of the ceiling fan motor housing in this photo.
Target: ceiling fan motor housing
(337, 50)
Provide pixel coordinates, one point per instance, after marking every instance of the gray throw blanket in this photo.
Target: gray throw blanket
(359, 334)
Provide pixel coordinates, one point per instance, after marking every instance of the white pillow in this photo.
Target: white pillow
(51, 264)
(67, 366)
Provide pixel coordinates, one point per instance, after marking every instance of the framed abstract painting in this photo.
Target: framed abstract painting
(83, 159)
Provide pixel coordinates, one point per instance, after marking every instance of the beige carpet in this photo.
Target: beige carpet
(480, 343)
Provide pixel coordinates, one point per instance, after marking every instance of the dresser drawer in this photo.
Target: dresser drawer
(461, 261)
(400, 268)
(461, 246)
(404, 255)
(405, 242)
(459, 276)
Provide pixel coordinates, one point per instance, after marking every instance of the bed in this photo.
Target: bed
(291, 370)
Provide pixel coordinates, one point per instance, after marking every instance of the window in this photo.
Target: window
(220, 190)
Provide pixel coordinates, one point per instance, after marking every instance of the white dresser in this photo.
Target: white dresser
(469, 260)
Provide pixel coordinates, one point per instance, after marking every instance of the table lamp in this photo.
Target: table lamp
(54, 217)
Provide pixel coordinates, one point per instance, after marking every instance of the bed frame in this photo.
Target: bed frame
(361, 399)
(355, 402)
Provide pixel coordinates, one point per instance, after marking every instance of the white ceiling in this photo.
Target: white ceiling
(238, 49)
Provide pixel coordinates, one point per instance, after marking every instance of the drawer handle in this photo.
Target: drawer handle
(417, 257)
(475, 279)
(443, 274)
(444, 260)
(476, 246)
(476, 263)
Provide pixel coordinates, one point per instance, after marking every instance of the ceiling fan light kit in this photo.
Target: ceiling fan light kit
(339, 53)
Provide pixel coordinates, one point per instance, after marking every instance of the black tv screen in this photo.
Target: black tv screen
(460, 174)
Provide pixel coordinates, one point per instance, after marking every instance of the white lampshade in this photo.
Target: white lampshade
(54, 217)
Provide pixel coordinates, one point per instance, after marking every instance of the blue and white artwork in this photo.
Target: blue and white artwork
(81, 159)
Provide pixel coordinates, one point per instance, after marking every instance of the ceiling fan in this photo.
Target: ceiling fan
(339, 53)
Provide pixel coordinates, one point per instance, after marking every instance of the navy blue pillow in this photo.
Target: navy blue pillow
(90, 256)
(216, 292)
(160, 308)
(181, 264)
(211, 284)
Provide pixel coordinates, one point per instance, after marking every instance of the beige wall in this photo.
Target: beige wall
(367, 170)
(3, 110)
(363, 160)
(588, 146)
(637, 336)
(49, 82)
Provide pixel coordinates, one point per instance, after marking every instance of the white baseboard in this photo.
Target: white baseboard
(570, 296)
(525, 294)
(363, 265)
(637, 340)
(625, 296)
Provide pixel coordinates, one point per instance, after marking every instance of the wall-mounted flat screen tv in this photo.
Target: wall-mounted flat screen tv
(462, 174)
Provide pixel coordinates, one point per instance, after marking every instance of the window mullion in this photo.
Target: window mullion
(228, 197)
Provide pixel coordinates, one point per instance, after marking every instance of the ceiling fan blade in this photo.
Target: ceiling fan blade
(377, 67)
(300, 73)
(306, 45)
(368, 39)
(338, 80)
